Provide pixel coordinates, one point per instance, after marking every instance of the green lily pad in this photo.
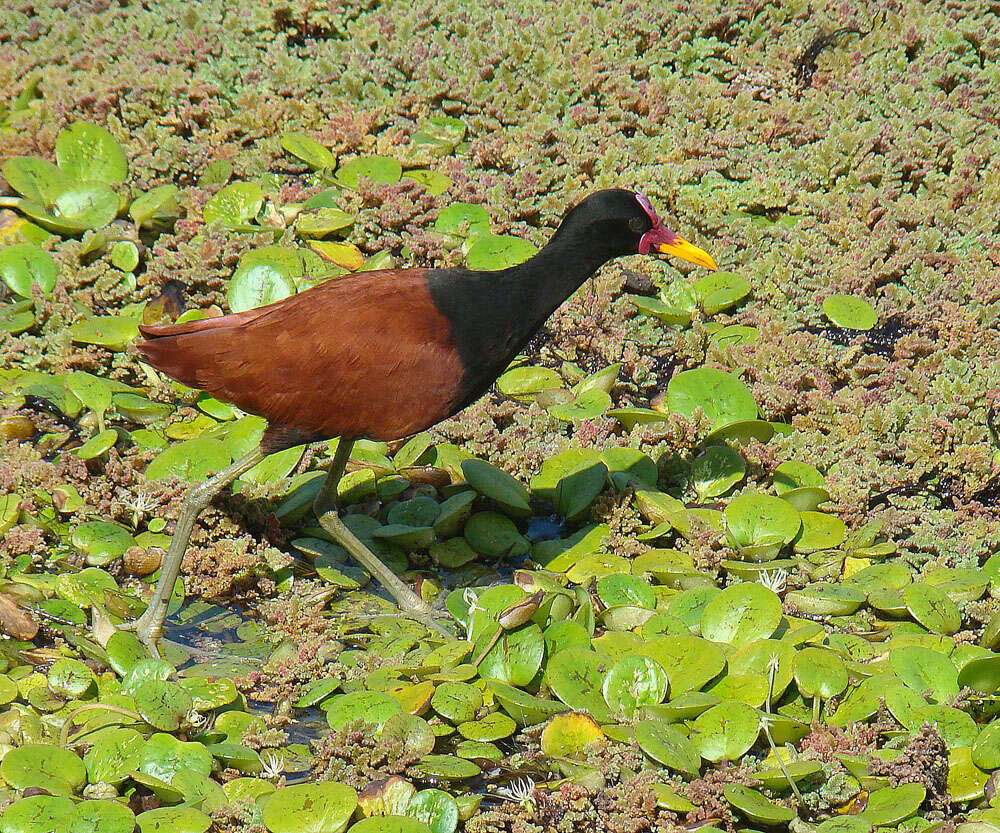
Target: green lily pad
(576, 677)
(115, 332)
(892, 805)
(69, 678)
(85, 152)
(189, 461)
(435, 808)
(307, 150)
(932, 608)
(690, 662)
(633, 683)
(819, 532)
(495, 536)
(570, 734)
(740, 614)
(463, 219)
(262, 277)
(516, 656)
(390, 824)
(826, 599)
(36, 814)
(125, 256)
(105, 816)
(435, 182)
(524, 382)
(155, 205)
(725, 732)
(370, 706)
(820, 673)
(667, 744)
(37, 180)
(379, 169)
(588, 405)
(754, 806)
(315, 225)
(43, 765)
(720, 290)
(760, 525)
(182, 819)
(323, 807)
(116, 751)
(497, 485)
(102, 541)
(716, 470)
(924, 669)
(850, 312)
(524, 708)
(24, 265)
(722, 397)
(235, 205)
(163, 756)
(89, 205)
(446, 767)
(493, 252)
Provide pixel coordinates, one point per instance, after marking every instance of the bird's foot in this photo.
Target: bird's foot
(147, 630)
(429, 618)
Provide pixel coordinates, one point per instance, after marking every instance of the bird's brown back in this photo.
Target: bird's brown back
(368, 355)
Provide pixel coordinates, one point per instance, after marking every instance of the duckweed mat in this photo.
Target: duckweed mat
(720, 550)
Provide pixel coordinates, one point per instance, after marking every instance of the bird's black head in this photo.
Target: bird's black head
(628, 224)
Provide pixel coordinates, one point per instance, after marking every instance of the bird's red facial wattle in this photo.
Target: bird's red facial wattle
(661, 239)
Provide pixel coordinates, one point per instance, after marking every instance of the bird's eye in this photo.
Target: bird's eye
(638, 224)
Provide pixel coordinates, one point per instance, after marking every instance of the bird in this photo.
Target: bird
(381, 355)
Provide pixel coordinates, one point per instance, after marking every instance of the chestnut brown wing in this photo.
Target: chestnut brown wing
(368, 355)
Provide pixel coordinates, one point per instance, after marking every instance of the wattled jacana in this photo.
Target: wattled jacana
(380, 355)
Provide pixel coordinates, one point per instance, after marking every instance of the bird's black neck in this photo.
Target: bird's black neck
(494, 314)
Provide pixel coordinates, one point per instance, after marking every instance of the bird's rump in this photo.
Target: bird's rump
(364, 356)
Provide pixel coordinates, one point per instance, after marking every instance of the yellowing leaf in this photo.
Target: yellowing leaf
(343, 254)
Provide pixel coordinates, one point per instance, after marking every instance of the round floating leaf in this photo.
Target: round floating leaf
(493, 252)
(37, 180)
(90, 205)
(69, 678)
(189, 461)
(102, 541)
(98, 444)
(158, 203)
(125, 256)
(495, 726)
(986, 748)
(323, 807)
(181, 819)
(666, 744)
(163, 756)
(85, 151)
(463, 219)
(322, 223)
(819, 532)
(516, 656)
(436, 809)
(162, 704)
(570, 734)
(370, 706)
(725, 732)
(115, 332)
(523, 383)
(924, 669)
(891, 805)
(756, 807)
(236, 204)
(525, 708)
(716, 470)
(761, 524)
(116, 752)
(793, 474)
(103, 816)
(447, 767)
(741, 614)
(690, 662)
(307, 150)
(457, 702)
(588, 405)
(36, 814)
(932, 608)
(43, 765)
(632, 683)
(436, 183)
(850, 312)
(496, 484)
(576, 677)
(389, 824)
(721, 395)
(820, 673)
(23, 265)
(826, 599)
(720, 290)
(618, 589)
(982, 674)
(262, 277)
(379, 169)
(495, 536)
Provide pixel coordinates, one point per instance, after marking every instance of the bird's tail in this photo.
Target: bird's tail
(185, 352)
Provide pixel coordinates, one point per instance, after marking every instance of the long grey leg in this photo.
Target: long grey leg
(149, 626)
(325, 507)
